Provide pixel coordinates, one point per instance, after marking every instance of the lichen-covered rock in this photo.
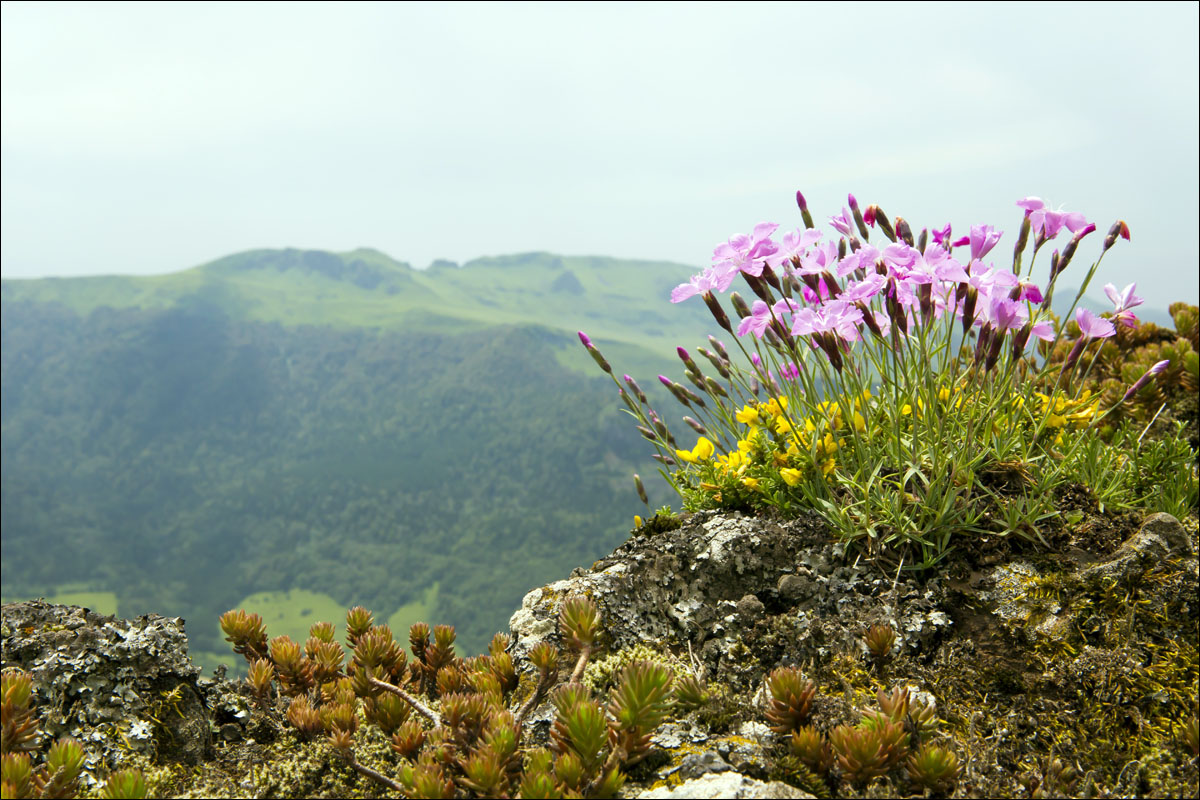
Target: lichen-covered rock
(114, 684)
(711, 581)
(726, 784)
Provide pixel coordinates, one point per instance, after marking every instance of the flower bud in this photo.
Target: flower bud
(1020, 339)
(719, 346)
(696, 426)
(1073, 356)
(739, 305)
(641, 489)
(1022, 240)
(858, 218)
(718, 362)
(1157, 369)
(637, 390)
(1119, 228)
(904, 231)
(771, 278)
(714, 388)
(969, 301)
(869, 318)
(879, 218)
(923, 239)
(800, 201)
(759, 287)
(1072, 246)
(994, 350)
(714, 306)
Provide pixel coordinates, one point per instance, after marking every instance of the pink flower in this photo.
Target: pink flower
(865, 289)
(1044, 330)
(1123, 301)
(1029, 291)
(942, 236)
(983, 238)
(863, 258)
(698, 284)
(793, 245)
(1046, 223)
(843, 224)
(758, 321)
(1093, 327)
(743, 251)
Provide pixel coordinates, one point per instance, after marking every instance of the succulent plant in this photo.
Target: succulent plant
(861, 753)
(813, 751)
(246, 633)
(879, 640)
(934, 767)
(124, 783)
(640, 702)
(473, 746)
(791, 699)
(690, 693)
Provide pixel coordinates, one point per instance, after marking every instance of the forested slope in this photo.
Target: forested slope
(184, 455)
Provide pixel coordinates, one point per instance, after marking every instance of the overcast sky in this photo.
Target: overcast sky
(148, 138)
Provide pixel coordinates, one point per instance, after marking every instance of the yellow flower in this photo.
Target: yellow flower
(828, 466)
(637, 521)
(776, 406)
(782, 425)
(830, 444)
(701, 452)
(943, 394)
(734, 462)
(750, 483)
(860, 424)
(747, 416)
(791, 476)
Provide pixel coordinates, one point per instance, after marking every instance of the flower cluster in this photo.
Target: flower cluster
(881, 380)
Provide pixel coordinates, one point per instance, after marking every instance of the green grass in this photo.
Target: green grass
(104, 603)
(416, 611)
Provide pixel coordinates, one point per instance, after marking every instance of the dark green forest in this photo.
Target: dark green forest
(184, 459)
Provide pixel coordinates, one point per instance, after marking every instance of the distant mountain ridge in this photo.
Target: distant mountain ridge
(623, 304)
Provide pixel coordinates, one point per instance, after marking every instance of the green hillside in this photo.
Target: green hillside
(425, 443)
(622, 304)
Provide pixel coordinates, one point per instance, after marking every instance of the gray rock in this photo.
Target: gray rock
(667, 587)
(696, 764)
(1160, 536)
(110, 683)
(794, 588)
(750, 608)
(725, 784)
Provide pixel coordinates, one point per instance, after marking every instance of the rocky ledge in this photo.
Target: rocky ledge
(1060, 670)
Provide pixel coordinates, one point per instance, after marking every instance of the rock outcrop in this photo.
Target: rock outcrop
(1023, 654)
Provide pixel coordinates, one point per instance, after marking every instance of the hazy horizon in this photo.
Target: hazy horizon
(148, 139)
